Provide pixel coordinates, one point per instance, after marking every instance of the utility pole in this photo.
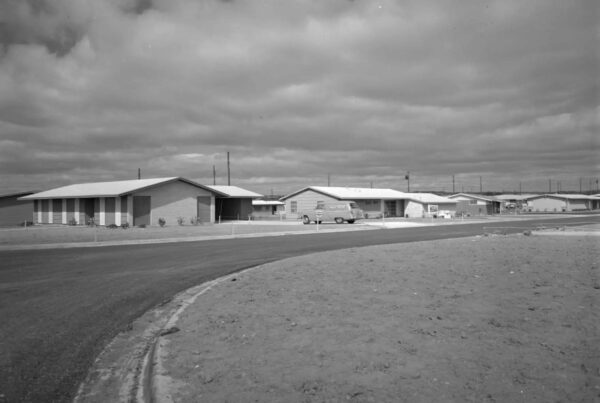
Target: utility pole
(407, 177)
(452, 184)
(139, 173)
(214, 176)
(328, 180)
(549, 185)
(228, 171)
(480, 186)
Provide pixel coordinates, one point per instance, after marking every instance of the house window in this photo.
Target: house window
(371, 204)
(320, 204)
(472, 201)
(294, 207)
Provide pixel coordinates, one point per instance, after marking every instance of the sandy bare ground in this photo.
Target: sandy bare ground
(486, 319)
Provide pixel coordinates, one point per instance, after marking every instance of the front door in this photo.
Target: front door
(390, 208)
(203, 212)
(141, 210)
(88, 209)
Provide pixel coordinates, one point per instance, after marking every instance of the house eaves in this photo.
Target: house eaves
(345, 193)
(108, 189)
(234, 192)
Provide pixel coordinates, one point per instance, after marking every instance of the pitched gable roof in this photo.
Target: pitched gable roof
(429, 198)
(346, 193)
(234, 191)
(477, 197)
(107, 189)
(564, 196)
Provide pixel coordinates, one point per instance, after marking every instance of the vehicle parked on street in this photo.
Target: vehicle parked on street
(339, 212)
(443, 214)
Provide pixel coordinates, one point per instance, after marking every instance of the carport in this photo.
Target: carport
(233, 203)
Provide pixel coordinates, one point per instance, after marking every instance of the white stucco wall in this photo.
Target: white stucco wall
(413, 209)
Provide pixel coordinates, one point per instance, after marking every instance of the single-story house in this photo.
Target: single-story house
(472, 204)
(375, 202)
(427, 205)
(518, 201)
(562, 202)
(268, 209)
(14, 211)
(135, 202)
(233, 202)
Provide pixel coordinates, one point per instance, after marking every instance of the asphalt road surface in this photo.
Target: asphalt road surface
(60, 308)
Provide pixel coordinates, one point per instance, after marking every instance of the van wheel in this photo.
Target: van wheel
(305, 220)
(350, 221)
(339, 220)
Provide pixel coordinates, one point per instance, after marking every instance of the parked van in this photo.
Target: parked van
(337, 211)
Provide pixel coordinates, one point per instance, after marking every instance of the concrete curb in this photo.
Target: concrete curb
(130, 367)
(567, 233)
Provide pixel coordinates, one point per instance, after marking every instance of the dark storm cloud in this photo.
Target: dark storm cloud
(57, 25)
(364, 91)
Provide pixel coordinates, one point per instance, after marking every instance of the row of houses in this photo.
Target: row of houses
(179, 200)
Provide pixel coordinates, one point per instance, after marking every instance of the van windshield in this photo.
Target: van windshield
(353, 205)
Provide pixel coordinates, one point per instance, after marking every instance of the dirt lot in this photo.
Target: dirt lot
(486, 319)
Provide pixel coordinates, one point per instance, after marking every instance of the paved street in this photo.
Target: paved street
(61, 307)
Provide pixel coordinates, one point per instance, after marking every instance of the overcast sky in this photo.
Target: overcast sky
(363, 91)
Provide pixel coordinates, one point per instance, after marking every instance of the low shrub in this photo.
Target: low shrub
(125, 225)
(27, 224)
(91, 222)
(142, 226)
(112, 226)
(72, 222)
(161, 221)
(180, 220)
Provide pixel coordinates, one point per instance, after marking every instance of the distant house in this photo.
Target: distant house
(427, 205)
(14, 211)
(515, 198)
(560, 202)
(375, 203)
(233, 203)
(473, 205)
(135, 202)
(268, 209)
